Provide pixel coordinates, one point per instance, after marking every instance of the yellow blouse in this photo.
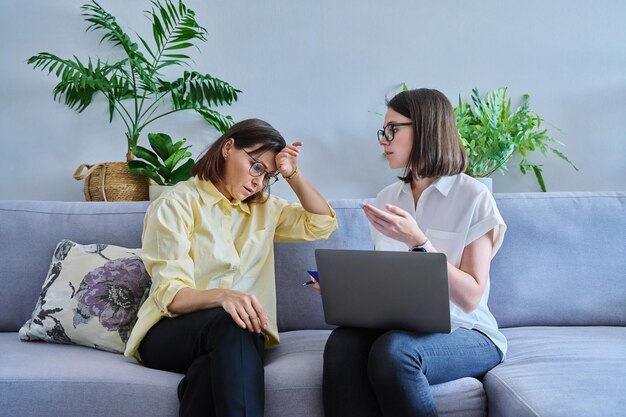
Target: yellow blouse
(194, 237)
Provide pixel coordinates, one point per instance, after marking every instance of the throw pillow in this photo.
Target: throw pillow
(90, 297)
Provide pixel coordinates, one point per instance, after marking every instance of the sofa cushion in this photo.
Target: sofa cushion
(44, 379)
(560, 372)
(90, 297)
(293, 380)
(74, 381)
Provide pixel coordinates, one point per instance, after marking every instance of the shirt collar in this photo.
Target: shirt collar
(443, 184)
(211, 195)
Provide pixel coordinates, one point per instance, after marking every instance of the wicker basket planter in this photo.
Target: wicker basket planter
(111, 181)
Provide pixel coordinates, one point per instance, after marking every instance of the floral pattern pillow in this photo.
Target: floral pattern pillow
(90, 297)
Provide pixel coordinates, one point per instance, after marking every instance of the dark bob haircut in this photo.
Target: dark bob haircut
(248, 133)
(437, 149)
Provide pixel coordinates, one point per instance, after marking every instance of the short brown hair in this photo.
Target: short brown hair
(246, 134)
(437, 149)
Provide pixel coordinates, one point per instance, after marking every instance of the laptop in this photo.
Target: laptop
(385, 290)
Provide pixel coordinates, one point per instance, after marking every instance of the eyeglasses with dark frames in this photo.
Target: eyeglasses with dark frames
(389, 132)
(258, 168)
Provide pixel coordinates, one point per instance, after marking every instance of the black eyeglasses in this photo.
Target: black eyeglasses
(258, 168)
(389, 132)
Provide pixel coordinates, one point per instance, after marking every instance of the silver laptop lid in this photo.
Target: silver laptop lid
(385, 290)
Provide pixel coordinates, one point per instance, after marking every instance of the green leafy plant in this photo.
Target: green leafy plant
(161, 164)
(492, 133)
(134, 86)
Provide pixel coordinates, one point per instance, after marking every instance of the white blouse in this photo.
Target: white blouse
(452, 212)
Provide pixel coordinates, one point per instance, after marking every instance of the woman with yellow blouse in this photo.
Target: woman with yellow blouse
(208, 246)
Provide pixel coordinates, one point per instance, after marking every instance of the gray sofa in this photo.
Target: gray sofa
(558, 292)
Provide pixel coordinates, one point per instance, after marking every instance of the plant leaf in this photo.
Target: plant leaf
(161, 143)
(201, 89)
(220, 122)
(172, 28)
(141, 168)
(491, 133)
(102, 20)
(182, 173)
(539, 177)
(146, 154)
(175, 158)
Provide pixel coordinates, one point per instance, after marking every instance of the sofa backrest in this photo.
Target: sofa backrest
(300, 307)
(31, 230)
(563, 261)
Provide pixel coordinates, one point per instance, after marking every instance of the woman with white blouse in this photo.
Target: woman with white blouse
(208, 245)
(433, 207)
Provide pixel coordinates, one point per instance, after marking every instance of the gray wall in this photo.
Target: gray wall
(318, 70)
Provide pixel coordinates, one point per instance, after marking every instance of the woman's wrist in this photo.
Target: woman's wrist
(424, 247)
(417, 242)
(292, 175)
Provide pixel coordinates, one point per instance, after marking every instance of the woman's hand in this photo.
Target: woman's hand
(396, 224)
(309, 197)
(316, 285)
(286, 159)
(245, 310)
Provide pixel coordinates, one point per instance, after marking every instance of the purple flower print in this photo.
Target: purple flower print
(113, 293)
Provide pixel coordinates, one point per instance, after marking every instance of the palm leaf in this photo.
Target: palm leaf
(220, 122)
(78, 82)
(102, 20)
(194, 89)
(172, 29)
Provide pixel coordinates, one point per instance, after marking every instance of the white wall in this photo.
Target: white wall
(318, 69)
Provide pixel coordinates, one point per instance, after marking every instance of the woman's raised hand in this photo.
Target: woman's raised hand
(286, 160)
(396, 223)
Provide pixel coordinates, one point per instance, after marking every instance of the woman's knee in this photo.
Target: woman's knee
(347, 342)
(221, 330)
(393, 356)
(231, 332)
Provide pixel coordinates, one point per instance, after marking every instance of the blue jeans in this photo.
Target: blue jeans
(370, 372)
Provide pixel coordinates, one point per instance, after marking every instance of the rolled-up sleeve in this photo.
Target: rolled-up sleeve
(486, 217)
(295, 224)
(165, 251)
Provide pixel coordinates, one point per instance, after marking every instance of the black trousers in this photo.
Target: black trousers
(222, 363)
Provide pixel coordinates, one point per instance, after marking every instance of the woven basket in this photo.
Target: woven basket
(111, 181)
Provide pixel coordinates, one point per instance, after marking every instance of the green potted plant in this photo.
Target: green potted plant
(135, 86)
(492, 133)
(165, 165)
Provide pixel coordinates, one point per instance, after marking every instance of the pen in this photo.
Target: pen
(310, 282)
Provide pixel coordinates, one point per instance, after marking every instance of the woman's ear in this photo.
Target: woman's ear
(227, 147)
